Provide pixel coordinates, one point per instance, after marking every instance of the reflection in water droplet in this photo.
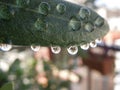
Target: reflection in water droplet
(99, 21)
(89, 27)
(93, 44)
(35, 48)
(84, 13)
(61, 8)
(85, 46)
(5, 47)
(98, 40)
(72, 50)
(56, 49)
(44, 8)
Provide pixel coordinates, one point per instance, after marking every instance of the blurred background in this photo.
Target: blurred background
(95, 69)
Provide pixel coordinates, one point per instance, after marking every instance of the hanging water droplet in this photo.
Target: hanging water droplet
(61, 8)
(98, 40)
(84, 13)
(89, 27)
(85, 46)
(74, 24)
(5, 47)
(99, 21)
(44, 8)
(35, 48)
(93, 44)
(72, 50)
(56, 49)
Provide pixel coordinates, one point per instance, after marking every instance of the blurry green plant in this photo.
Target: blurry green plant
(7, 86)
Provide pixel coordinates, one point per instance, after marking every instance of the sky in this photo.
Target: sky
(111, 4)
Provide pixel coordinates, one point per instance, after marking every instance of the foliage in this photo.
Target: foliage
(55, 75)
(7, 86)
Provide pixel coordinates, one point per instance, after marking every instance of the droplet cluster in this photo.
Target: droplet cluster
(83, 20)
(44, 9)
(72, 50)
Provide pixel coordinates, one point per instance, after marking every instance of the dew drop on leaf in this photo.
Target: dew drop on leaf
(84, 13)
(56, 49)
(35, 48)
(99, 21)
(98, 40)
(5, 47)
(85, 46)
(74, 24)
(89, 27)
(61, 8)
(44, 8)
(40, 24)
(72, 50)
(93, 44)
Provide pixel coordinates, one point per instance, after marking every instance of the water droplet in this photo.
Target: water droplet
(35, 48)
(72, 50)
(22, 3)
(99, 21)
(56, 49)
(61, 8)
(44, 8)
(40, 24)
(98, 40)
(74, 24)
(5, 47)
(12, 11)
(93, 44)
(84, 13)
(4, 12)
(89, 27)
(85, 46)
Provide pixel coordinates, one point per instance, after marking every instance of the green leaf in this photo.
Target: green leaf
(7, 86)
(49, 22)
